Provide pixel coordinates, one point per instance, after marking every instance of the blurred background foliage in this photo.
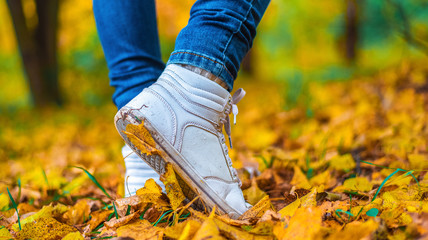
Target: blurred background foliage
(299, 41)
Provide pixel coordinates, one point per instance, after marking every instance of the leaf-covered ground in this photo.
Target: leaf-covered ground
(347, 162)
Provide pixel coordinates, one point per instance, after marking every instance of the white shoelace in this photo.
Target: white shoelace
(236, 97)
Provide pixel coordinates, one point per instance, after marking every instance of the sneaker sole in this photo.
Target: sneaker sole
(191, 183)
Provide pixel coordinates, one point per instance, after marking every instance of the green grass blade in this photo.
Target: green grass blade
(384, 181)
(45, 177)
(95, 181)
(161, 217)
(14, 206)
(19, 192)
(115, 211)
(377, 165)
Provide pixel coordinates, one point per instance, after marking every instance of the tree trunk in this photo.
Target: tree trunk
(351, 30)
(38, 50)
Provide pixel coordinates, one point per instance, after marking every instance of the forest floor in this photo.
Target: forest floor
(348, 161)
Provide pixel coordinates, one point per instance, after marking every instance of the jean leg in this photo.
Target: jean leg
(129, 37)
(218, 36)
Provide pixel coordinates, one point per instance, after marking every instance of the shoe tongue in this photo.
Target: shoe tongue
(197, 81)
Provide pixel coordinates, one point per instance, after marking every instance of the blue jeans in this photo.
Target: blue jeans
(218, 36)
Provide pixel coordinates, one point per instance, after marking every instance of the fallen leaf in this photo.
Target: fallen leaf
(45, 212)
(78, 213)
(183, 230)
(141, 229)
(344, 162)
(117, 222)
(208, 229)
(73, 236)
(253, 194)
(257, 210)
(44, 228)
(141, 138)
(305, 224)
(299, 179)
(290, 209)
(173, 189)
(5, 234)
(356, 230)
(97, 218)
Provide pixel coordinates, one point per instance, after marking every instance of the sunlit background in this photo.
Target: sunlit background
(298, 41)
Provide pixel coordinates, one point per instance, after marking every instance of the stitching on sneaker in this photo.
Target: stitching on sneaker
(187, 124)
(178, 76)
(220, 179)
(185, 97)
(185, 108)
(174, 134)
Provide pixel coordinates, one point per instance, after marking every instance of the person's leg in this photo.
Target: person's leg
(218, 36)
(185, 110)
(129, 37)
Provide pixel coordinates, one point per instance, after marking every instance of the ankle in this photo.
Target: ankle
(206, 74)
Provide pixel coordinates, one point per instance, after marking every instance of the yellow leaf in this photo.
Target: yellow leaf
(299, 179)
(173, 189)
(73, 236)
(253, 194)
(208, 230)
(324, 179)
(263, 228)
(310, 199)
(305, 224)
(5, 234)
(356, 230)
(141, 229)
(98, 217)
(150, 193)
(418, 161)
(183, 230)
(257, 210)
(4, 201)
(361, 184)
(78, 213)
(234, 233)
(44, 228)
(141, 138)
(290, 209)
(45, 212)
(344, 162)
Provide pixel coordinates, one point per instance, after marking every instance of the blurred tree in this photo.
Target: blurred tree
(38, 48)
(351, 29)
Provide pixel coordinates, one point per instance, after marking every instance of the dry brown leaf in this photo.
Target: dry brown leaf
(78, 213)
(97, 218)
(117, 222)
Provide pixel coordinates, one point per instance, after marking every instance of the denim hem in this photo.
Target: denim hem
(203, 61)
(130, 84)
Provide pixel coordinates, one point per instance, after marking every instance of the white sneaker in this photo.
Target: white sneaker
(184, 112)
(137, 172)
